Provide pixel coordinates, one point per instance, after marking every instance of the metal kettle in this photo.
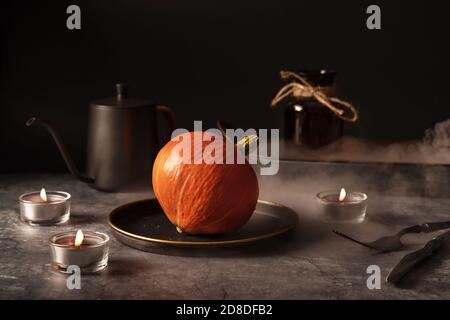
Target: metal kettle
(122, 141)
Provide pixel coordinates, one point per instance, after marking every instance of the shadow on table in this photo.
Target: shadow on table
(86, 218)
(125, 267)
(306, 233)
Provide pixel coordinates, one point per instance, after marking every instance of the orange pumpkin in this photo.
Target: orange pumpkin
(204, 198)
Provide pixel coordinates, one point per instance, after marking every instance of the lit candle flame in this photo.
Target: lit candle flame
(342, 195)
(43, 195)
(79, 238)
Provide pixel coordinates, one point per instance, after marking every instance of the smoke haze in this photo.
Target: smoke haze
(433, 148)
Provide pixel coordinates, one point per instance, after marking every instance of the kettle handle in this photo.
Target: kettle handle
(169, 115)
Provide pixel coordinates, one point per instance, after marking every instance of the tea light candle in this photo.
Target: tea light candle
(89, 251)
(342, 207)
(45, 208)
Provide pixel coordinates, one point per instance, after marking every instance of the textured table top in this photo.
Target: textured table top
(313, 263)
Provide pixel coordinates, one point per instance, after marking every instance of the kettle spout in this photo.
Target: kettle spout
(61, 147)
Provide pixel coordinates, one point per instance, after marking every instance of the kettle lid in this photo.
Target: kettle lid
(121, 100)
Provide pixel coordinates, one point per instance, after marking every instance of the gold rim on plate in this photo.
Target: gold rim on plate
(205, 243)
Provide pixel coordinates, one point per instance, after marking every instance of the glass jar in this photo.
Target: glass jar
(306, 121)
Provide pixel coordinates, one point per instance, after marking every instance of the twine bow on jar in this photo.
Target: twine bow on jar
(303, 89)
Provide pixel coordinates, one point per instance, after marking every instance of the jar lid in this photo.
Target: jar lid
(121, 100)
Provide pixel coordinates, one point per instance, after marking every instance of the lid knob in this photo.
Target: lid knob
(122, 91)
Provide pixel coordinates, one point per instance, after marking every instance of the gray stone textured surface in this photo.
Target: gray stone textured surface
(312, 263)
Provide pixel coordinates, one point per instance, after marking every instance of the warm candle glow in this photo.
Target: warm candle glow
(43, 195)
(79, 238)
(342, 195)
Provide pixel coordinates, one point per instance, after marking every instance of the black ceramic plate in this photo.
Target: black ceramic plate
(143, 224)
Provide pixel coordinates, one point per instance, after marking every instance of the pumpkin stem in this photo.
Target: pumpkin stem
(246, 142)
(179, 229)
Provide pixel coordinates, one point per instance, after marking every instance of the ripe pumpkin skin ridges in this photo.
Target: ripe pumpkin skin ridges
(204, 198)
